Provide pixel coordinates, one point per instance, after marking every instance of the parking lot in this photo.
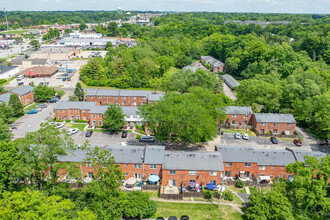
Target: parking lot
(101, 138)
(258, 142)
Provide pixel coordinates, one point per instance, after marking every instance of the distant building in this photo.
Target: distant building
(273, 123)
(230, 81)
(25, 94)
(216, 65)
(78, 35)
(8, 71)
(238, 115)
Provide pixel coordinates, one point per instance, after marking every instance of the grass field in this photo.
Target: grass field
(79, 126)
(15, 31)
(33, 106)
(196, 211)
(241, 131)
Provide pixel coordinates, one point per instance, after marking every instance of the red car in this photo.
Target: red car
(297, 142)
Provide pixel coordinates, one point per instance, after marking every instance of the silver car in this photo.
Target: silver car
(245, 136)
(237, 136)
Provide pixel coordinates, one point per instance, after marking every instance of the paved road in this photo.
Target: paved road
(228, 92)
(31, 123)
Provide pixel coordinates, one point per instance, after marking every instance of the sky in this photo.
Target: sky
(262, 6)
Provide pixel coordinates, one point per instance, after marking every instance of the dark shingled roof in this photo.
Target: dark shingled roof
(4, 69)
(74, 105)
(238, 110)
(300, 154)
(274, 118)
(237, 153)
(269, 157)
(230, 81)
(211, 161)
(5, 97)
(23, 90)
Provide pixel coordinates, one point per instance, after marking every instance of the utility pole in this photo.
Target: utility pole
(4, 10)
(221, 176)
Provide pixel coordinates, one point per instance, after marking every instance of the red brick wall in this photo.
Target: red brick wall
(183, 177)
(129, 170)
(69, 112)
(105, 100)
(240, 119)
(27, 98)
(281, 127)
(97, 118)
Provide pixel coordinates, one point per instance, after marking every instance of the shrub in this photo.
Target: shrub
(2, 81)
(240, 184)
(67, 120)
(228, 195)
(138, 136)
(208, 193)
(142, 131)
(80, 120)
(138, 126)
(58, 120)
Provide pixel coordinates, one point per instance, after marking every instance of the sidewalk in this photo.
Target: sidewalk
(235, 206)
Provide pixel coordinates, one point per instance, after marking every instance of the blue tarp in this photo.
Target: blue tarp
(211, 186)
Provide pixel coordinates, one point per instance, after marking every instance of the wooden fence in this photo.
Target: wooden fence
(248, 127)
(151, 187)
(294, 135)
(171, 196)
(247, 183)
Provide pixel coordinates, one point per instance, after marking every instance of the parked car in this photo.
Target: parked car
(245, 136)
(47, 83)
(52, 123)
(89, 133)
(72, 131)
(297, 142)
(274, 140)
(59, 125)
(124, 134)
(58, 97)
(52, 100)
(33, 111)
(44, 105)
(13, 126)
(237, 135)
(20, 83)
(147, 139)
(20, 77)
(39, 109)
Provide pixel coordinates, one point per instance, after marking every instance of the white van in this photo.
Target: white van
(20, 77)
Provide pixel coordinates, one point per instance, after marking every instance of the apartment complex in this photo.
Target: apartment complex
(25, 94)
(238, 115)
(121, 97)
(273, 123)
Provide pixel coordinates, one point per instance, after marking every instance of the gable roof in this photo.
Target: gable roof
(4, 69)
(102, 92)
(5, 97)
(300, 154)
(230, 81)
(274, 157)
(155, 96)
(23, 90)
(208, 161)
(238, 110)
(237, 153)
(74, 105)
(276, 118)
(125, 92)
(211, 60)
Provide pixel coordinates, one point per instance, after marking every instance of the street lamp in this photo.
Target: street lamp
(221, 176)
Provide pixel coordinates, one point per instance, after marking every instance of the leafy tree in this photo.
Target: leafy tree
(43, 92)
(68, 31)
(114, 117)
(82, 26)
(15, 104)
(139, 205)
(6, 113)
(112, 29)
(79, 92)
(8, 157)
(34, 43)
(29, 204)
(73, 98)
(5, 133)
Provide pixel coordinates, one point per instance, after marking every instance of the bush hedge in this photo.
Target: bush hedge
(67, 120)
(80, 120)
(2, 81)
(58, 120)
(228, 195)
(240, 184)
(138, 136)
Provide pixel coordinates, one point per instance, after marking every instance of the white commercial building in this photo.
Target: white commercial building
(8, 71)
(78, 35)
(86, 42)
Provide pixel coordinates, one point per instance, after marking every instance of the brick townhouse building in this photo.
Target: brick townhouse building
(121, 97)
(91, 112)
(25, 94)
(273, 123)
(249, 163)
(216, 65)
(202, 168)
(238, 115)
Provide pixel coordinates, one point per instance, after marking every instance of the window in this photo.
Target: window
(100, 116)
(59, 117)
(172, 172)
(247, 164)
(84, 112)
(275, 124)
(93, 116)
(63, 111)
(263, 124)
(287, 132)
(90, 97)
(228, 174)
(272, 168)
(78, 117)
(134, 97)
(229, 164)
(288, 124)
(126, 165)
(137, 166)
(99, 97)
(247, 174)
(171, 182)
(193, 173)
(89, 165)
(115, 97)
(245, 116)
(245, 122)
(234, 116)
(124, 97)
(271, 176)
(143, 103)
(137, 176)
(213, 173)
(64, 118)
(153, 166)
(126, 174)
(100, 123)
(84, 118)
(213, 181)
(262, 131)
(134, 103)
(280, 176)
(233, 122)
(116, 103)
(275, 131)
(106, 102)
(124, 103)
(262, 168)
(282, 168)
(71, 111)
(90, 175)
(144, 97)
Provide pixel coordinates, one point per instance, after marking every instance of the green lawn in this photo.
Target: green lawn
(10, 79)
(152, 194)
(196, 211)
(16, 31)
(79, 126)
(252, 190)
(60, 92)
(33, 106)
(241, 131)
